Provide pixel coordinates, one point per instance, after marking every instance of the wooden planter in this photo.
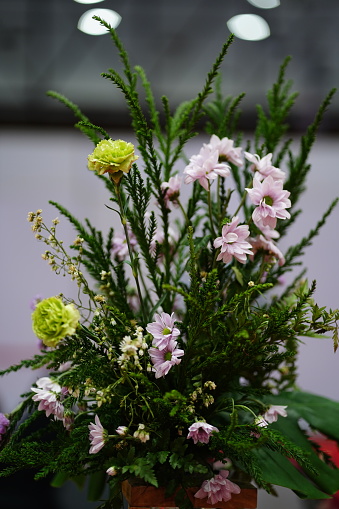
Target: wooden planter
(144, 497)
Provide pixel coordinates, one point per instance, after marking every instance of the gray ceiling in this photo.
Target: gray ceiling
(175, 41)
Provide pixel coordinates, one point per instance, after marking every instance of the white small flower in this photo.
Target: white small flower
(273, 412)
(141, 434)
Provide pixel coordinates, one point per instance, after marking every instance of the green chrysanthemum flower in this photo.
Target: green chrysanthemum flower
(112, 156)
(52, 320)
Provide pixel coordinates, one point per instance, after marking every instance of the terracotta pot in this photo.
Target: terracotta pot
(140, 496)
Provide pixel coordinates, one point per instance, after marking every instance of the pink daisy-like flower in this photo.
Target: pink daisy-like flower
(269, 233)
(273, 412)
(232, 242)
(48, 393)
(201, 432)
(272, 251)
(171, 190)
(4, 423)
(204, 167)
(226, 150)
(271, 200)
(163, 330)
(97, 435)
(263, 167)
(217, 489)
(222, 467)
(159, 238)
(121, 430)
(163, 360)
(111, 471)
(119, 244)
(38, 298)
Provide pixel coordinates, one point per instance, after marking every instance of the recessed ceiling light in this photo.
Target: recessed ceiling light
(265, 4)
(88, 1)
(91, 26)
(249, 27)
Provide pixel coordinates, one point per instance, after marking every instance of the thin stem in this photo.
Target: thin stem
(187, 221)
(210, 213)
(243, 199)
(130, 251)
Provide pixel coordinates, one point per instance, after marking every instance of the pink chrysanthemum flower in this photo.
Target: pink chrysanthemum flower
(119, 244)
(121, 430)
(222, 467)
(111, 471)
(159, 238)
(217, 489)
(163, 330)
(272, 252)
(201, 432)
(263, 167)
(269, 233)
(232, 242)
(273, 412)
(226, 150)
(163, 360)
(171, 190)
(97, 436)
(38, 298)
(48, 393)
(4, 423)
(204, 167)
(271, 200)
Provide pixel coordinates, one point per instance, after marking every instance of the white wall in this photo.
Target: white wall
(43, 164)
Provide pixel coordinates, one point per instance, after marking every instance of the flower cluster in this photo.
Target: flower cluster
(176, 365)
(132, 348)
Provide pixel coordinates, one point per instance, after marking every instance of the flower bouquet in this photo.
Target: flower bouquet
(176, 368)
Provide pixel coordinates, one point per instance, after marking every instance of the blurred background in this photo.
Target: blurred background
(48, 45)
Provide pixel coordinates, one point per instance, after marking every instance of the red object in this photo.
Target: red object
(331, 448)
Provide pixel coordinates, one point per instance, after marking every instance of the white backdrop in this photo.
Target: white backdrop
(38, 165)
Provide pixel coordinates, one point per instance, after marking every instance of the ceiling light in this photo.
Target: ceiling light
(91, 26)
(264, 4)
(88, 1)
(249, 27)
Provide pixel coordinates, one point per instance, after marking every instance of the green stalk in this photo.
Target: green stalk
(130, 251)
(210, 209)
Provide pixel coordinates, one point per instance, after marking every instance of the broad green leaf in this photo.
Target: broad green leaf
(59, 479)
(326, 478)
(279, 471)
(238, 275)
(321, 413)
(96, 485)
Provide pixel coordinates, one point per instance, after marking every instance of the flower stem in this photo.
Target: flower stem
(210, 210)
(130, 251)
(187, 221)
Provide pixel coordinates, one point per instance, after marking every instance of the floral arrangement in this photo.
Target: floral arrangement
(177, 366)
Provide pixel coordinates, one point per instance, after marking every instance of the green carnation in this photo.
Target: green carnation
(112, 156)
(52, 320)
